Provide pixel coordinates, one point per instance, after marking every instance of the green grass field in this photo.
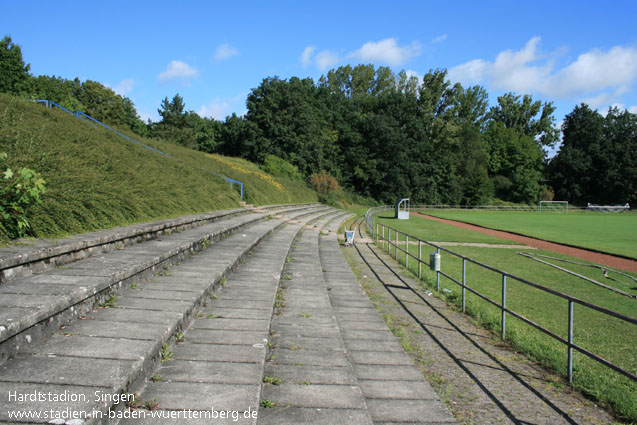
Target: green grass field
(608, 337)
(615, 233)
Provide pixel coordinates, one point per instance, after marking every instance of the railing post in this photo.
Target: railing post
(570, 341)
(419, 259)
(438, 273)
(504, 304)
(383, 239)
(389, 241)
(376, 232)
(396, 246)
(407, 252)
(464, 282)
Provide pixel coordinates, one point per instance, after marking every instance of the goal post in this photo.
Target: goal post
(553, 206)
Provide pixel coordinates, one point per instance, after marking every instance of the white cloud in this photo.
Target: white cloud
(411, 73)
(225, 51)
(633, 109)
(326, 59)
(386, 51)
(306, 56)
(146, 116)
(217, 109)
(439, 39)
(124, 87)
(600, 99)
(596, 70)
(595, 77)
(178, 70)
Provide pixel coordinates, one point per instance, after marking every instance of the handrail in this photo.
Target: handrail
(379, 237)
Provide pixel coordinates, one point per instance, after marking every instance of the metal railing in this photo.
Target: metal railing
(383, 236)
(82, 115)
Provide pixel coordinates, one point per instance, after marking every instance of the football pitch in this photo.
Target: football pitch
(613, 233)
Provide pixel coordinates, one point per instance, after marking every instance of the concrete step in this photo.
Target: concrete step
(309, 376)
(33, 306)
(107, 354)
(33, 256)
(394, 389)
(219, 365)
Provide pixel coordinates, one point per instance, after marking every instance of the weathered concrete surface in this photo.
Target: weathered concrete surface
(104, 270)
(393, 388)
(220, 361)
(114, 348)
(309, 378)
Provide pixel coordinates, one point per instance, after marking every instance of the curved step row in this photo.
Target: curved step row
(32, 306)
(218, 367)
(310, 378)
(394, 389)
(110, 350)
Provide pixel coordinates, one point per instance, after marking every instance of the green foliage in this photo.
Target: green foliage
(597, 161)
(18, 191)
(280, 167)
(14, 74)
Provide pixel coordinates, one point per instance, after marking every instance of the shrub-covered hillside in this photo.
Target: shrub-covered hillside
(96, 179)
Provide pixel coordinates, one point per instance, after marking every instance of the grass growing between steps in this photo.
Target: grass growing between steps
(96, 179)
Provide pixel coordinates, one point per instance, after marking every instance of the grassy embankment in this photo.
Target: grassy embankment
(96, 179)
(608, 337)
(615, 233)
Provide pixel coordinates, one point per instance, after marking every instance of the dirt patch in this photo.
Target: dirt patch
(596, 257)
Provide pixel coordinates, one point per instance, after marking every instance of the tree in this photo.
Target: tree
(515, 137)
(176, 126)
(597, 161)
(14, 74)
(515, 164)
(61, 91)
(173, 112)
(521, 116)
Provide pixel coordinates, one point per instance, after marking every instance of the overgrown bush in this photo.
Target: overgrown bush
(18, 190)
(324, 184)
(280, 167)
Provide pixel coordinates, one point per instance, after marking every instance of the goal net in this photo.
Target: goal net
(608, 208)
(557, 206)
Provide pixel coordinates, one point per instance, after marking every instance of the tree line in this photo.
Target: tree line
(384, 135)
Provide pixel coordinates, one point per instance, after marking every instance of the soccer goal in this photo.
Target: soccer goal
(557, 206)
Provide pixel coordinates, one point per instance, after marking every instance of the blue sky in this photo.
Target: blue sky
(214, 53)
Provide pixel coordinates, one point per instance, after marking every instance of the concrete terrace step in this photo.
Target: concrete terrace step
(311, 379)
(394, 389)
(113, 349)
(36, 256)
(32, 306)
(220, 362)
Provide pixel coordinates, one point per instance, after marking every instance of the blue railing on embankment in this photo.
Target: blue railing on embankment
(82, 115)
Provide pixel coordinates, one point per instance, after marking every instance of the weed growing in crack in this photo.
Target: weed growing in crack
(109, 302)
(272, 380)
(268, 404)
(166, 354)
